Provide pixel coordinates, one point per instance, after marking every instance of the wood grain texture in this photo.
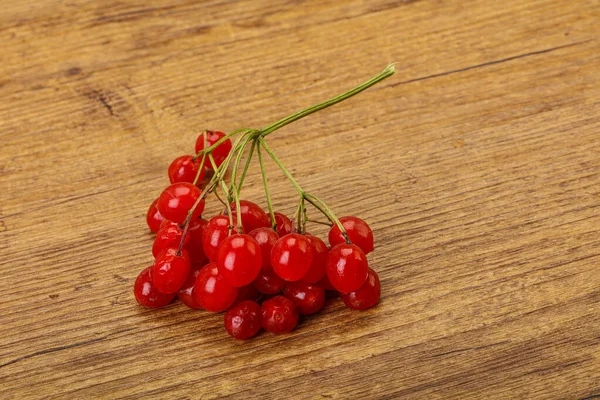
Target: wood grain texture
(477, 165)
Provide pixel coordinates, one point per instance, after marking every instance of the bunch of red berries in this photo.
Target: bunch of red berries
(246, 256)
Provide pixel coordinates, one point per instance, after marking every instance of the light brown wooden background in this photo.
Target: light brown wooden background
(477, 165)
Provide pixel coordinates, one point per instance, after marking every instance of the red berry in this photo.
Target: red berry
(279, 315)
(146, 293)
(211, 291)
(169, 235)
(347, 267)
(365, 297)
(247, 292)
(268, 282)
(292, 256)
(194, 245)
(283, 224)
(153, 217)
(243, 320)
(239, 259)
(317, 267)
(307, 298)
(325, 284)
(183, 169)
(170, 270)
(253, 216)
(176, 200)
(215, 232)
(186, 293)
(220, 152)
(266, 239)
(358, 231)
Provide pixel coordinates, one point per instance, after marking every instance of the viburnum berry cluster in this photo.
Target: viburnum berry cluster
(261, 267)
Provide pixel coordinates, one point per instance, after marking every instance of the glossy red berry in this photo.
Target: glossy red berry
(367, 296)
(307, 298)
(347, 267)
(268, 282)
(266, 239)
(358, 231)
(239, 260)
(207, 139)
(319, 261)
(177, 199)
(170, 270)
(283, 224)
(243, 320)
(211, 291)
(247, 292)
(292, 256)
(169, 235)
(325, 284)
(253, 216)
(146, 293)
(279, 315)
(186, 293)
(194, 244)
(183, 169)
(215, 232)
(153, 217)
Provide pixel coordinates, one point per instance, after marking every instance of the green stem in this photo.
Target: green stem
(238, 158)
(281, 166)
(245, 171)
(387, 72)
(199, 169)
(266, 186)
(218, 142)
(325, 210)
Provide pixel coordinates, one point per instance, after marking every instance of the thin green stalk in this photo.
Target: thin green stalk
(266, 186)
(245, 171)
(387, 72)
(324, 208)
(281, 166)
(218, 142)
(199, 169)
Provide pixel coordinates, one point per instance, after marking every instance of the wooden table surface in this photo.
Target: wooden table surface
(477, 166)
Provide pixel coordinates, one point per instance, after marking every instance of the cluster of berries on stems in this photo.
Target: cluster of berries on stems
(261, 267)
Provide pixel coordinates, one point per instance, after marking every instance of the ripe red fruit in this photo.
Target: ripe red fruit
(279, 315)
(153, 217)
(358, 231)
(268, 282)
(247, 292)
(292, 256)
(283, 224)
(325, 284)
(319, 261)
(253, 216)
(186, 293)
(170, 270)
(215, 232)
(211, 291)
(266, 239)
(194, 244)
(365, 297)
(220, 152)
(347, 267)
(169, 235)
(177, 199)
(183, 169)
(307, 298)
(243, 320)
(146, 293)
(239, 260)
